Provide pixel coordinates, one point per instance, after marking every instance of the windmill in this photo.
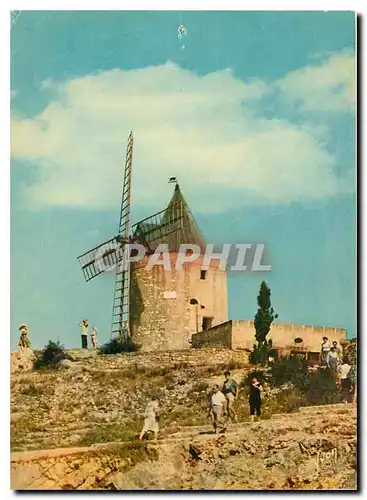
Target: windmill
(162, 227)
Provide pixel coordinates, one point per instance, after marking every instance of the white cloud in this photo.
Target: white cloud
(328, 86)
(203, 129)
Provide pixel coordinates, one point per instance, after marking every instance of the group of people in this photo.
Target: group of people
(332, 357)
(221, 404)
(84, 325)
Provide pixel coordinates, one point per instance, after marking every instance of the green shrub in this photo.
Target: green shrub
(52, 353)
(322, 387)
(292, 369)
(261, 352)
(114, 346)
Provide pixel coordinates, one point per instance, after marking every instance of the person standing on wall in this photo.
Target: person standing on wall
(325, 348)
(84, 330)
(333, 360)
(230, 390)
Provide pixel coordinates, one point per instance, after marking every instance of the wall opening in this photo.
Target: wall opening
(202, 274)
(207, 322)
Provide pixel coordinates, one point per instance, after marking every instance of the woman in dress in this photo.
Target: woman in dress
(151, 420)
(255, 398)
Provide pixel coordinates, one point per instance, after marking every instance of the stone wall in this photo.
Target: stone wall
(161, 316)
(242, 335)
(218, 336)
(148, 360)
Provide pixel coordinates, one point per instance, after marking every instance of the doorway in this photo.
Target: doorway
(207, 322)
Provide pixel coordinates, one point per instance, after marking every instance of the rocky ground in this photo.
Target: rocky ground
(92, 408)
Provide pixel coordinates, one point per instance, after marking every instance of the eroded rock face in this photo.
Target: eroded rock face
(295, 452)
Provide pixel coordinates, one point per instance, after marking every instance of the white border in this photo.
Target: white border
(301, 5)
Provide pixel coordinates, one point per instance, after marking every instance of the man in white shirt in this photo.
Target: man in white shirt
(218, 404)
(345, 381)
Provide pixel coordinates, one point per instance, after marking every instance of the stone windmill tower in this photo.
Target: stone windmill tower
(168, 306)
(162, 308)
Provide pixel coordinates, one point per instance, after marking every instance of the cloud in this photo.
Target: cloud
(209, 131)
(329, 86)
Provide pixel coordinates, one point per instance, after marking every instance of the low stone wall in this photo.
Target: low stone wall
(170, 359)
(152, 360)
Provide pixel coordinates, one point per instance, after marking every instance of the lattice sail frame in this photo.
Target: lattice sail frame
(121, 296)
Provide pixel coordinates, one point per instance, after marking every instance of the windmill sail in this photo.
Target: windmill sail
(101, 258)
(121, 295)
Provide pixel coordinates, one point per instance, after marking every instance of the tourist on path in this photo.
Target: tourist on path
(84, 327)
(325, 348)
(345, 381)
(94, 336)
(333, 359)
(151, 420)
(255, 398)
(230, 390)
(218, 404)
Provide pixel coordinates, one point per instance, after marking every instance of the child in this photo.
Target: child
(151, 420)
(94, 337)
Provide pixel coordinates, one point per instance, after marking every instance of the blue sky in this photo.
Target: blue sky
(255, 117)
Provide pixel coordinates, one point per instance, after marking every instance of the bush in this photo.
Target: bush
(291, 369)
(52, 353)
(114, 346)
(322, 387)
(259, 354)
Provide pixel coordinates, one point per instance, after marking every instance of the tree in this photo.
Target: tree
(265, 314)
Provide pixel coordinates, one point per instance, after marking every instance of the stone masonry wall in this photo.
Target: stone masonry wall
(150, 360)
(218, 336)
(161, 316)
(240, 334)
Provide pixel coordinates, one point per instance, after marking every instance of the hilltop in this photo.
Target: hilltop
(93, 401)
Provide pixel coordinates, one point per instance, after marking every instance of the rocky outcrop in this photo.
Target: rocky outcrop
(312, 449)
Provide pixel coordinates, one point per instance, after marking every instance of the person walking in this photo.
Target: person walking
(345, 382)
(230, 390)
(218, 403)
(151, 420)
(325, 348)
(84, 328)
(255, 398)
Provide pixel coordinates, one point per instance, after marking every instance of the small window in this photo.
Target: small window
(202, 274)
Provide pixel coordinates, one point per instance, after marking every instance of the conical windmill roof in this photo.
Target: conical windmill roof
(173, 226)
